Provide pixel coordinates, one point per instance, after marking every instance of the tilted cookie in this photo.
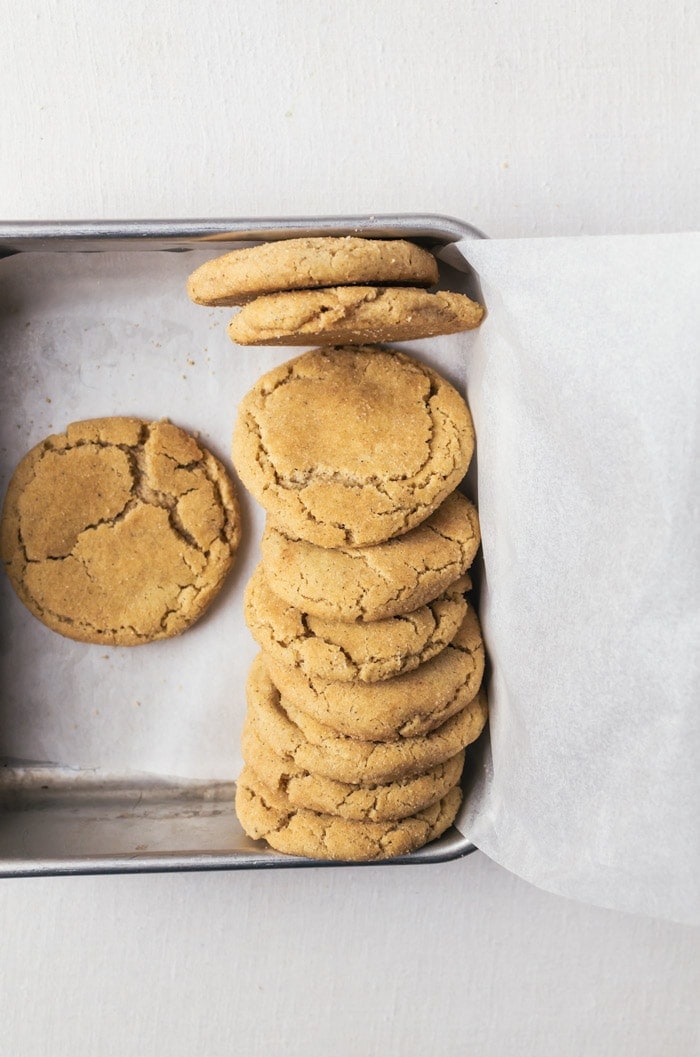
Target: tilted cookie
(348, 447)
(268, 815)
(373, 583)
(303, 742)
(402, 707)
(362, 651)
(301, 264)
(353, 315)
(374, 803)
(119, 531)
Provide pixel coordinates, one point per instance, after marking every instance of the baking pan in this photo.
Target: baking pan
(56, 816)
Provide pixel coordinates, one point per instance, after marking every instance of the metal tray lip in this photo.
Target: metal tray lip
(32, 235)
(157, 793)
(24, 235)
(220, 863)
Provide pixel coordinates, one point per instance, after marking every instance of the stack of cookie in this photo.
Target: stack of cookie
(367, 689)
(332, 291)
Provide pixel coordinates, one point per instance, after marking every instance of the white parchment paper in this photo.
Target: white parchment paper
(584, 383)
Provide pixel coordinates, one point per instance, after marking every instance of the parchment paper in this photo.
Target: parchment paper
(584, 383)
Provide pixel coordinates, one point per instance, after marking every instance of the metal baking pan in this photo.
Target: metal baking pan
(56, 818)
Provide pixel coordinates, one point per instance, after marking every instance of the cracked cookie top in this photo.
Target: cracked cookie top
(119, 531)
(268, 814)
(351, 315)
(403, 707)
(348, 447)
(373, 802)
(373, 583)
(298, 264)
(316, 747)
(368, 651)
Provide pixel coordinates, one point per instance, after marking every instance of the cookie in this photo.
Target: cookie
(402, 707)
(348, 447)
(119, 531)
(298, 264)
(268, 815)
(312, 746)
(373, 583)
(353, 315)
(375, 803)
(361, 651)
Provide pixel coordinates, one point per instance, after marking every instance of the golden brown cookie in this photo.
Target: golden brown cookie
(268, 815)
(402, 707)
(119, 531)
(348, 447)
(373, 583)
(353, 315)
(303, 742)
(362, 651)
(374, 803)
(305, 263)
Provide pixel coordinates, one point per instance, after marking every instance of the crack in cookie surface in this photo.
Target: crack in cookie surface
(319, 748)
(406, 705)
(374, 583)
(356, 801)
(365, 651)
(119, 531)
(267, 814)
(339, 425)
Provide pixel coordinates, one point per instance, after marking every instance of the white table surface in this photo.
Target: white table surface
(527, 118)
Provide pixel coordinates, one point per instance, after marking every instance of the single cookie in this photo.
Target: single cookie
(362, 651)
(402, 707)
(298, 264)
(375, 803)
(351, 446)
(303, 742)
(353, 315)
(119, 531)
(373, 583)
(268, 815)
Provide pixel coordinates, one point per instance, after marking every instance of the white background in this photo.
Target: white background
(528, 119)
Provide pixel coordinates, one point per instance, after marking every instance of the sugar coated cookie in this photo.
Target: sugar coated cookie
(353, 315)
(297, 264)
(402, 707)
(359, 651)
(373, 583)
(376, 803)
(315, 747)
(268, 814)
(351, 446)
(119, 531)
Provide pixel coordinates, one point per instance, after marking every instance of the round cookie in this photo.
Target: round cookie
(303, 742)
(375, 803)
(348, 447)
(268, 815)
(349, 652)
(353, 315)
(119, 531)
(374, 583)
(402, 707)
(298, 264)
